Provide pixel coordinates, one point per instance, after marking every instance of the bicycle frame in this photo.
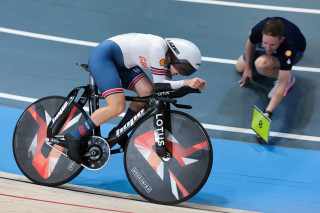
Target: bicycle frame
(91, 95)
(62, 113)
(155, 103)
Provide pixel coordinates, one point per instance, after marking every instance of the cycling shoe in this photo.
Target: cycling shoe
(74, 148)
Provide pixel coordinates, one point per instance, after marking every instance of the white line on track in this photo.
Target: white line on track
(31, 100)
(94, 44)
(207, 126)
(256, 6)
(48, 37)
(229, 61)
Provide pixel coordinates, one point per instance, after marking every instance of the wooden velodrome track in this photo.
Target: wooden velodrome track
(18, 194)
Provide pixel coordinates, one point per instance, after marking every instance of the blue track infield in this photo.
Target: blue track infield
(244, 175)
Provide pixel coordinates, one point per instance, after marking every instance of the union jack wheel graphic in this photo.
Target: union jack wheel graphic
(39, 162)
(174, 180)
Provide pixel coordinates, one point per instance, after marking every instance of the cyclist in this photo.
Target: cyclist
(274, 46)
(116, 64)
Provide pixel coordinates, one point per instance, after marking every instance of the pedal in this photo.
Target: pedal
(53, 143)
(97, 154)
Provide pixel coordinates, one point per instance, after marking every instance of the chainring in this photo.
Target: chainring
(97, 154)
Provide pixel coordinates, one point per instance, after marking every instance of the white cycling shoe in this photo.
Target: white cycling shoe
(291, 82)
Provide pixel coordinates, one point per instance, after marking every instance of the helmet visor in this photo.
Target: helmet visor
(184, 68)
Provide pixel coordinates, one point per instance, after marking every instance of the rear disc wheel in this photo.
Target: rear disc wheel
(38, 161)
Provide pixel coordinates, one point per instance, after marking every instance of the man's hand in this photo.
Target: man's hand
(267, 115)
(247, 73)
(195, 83)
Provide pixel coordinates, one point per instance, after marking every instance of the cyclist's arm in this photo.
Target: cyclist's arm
(166, 79)
(159, 73)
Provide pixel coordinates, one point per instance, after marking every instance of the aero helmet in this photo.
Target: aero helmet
(186, 52)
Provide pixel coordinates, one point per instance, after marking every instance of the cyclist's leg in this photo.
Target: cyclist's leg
(136, 80)
(103, 63)
(143, 87)
(115, 106)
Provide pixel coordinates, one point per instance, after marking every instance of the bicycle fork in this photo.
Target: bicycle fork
(159, 122)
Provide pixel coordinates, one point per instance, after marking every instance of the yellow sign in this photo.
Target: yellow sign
(260, 124)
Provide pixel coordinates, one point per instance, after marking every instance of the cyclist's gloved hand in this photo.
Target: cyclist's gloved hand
(195, 83)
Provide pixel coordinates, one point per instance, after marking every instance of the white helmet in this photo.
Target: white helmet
(186, 52)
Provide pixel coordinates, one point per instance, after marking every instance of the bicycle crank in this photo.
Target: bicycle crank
(97, 154)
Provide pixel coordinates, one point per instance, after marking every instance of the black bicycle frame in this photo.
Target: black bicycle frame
(156, 103)
(61, 115)
(91, 94)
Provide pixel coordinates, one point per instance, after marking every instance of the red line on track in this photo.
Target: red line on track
(67, 204)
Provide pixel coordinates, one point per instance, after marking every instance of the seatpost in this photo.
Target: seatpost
(93, 101)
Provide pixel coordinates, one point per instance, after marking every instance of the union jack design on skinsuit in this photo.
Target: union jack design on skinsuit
(135, 80)
(157, 71)
(45, 165)
(112, 91)
(146, 141)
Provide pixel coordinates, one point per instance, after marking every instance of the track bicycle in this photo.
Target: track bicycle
(166, 178)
